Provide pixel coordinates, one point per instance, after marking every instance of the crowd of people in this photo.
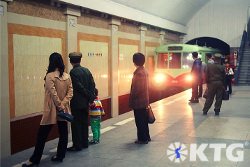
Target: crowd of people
(216, 75)
(75, 93)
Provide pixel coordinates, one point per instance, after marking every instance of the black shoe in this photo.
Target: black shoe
(73, 149)
(217, 112)
(85, 146)
(141, 142)
(93, 142)
(194, 101)
(29, 164)
(56, 159)
(204, 113)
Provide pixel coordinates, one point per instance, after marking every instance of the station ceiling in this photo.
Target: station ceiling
(166, 14)
(178, 11)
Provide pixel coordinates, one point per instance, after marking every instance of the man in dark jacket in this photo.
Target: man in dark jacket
(83, 94)
(215, 76)
(197, 77)
(139, 99)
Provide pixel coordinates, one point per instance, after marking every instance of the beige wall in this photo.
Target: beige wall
(29, 49)
(126, 67)
(96, 59)
(31, 56)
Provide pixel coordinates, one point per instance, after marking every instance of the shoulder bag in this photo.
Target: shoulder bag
(151, 117)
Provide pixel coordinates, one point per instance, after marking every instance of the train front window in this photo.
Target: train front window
(174, 60)
(169, 60)
(162, 60)
(187, 60)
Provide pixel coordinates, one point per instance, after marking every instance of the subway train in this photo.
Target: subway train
(173, 64)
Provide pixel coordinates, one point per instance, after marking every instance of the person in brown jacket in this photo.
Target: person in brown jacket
(58, 93)
(215, 77)
(139, 99)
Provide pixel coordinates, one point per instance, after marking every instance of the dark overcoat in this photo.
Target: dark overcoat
(139, 96)
(83, 87)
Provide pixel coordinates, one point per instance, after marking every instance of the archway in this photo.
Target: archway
(211, 42)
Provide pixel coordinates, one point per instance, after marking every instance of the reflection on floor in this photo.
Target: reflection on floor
(179, 129)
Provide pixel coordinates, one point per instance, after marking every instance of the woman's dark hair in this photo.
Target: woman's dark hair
(56, 61)
(96, 92)
(139, 59)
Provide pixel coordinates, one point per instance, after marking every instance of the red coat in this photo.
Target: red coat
(139, 97)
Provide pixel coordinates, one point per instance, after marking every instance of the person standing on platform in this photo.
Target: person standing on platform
(215, 76)
(96, 111)
(229, 77)
(197, 77)
(139, 99)
(58, 93)
(200, 84)
(210, 60)
(83, 89)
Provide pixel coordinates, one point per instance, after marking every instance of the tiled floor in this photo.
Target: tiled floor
(177, 121)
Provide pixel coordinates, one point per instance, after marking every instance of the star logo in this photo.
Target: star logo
(177, 152)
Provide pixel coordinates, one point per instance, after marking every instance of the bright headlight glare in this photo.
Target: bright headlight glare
(160, 78)
(189, 78)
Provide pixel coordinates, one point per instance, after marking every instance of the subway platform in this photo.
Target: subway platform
(180, 131)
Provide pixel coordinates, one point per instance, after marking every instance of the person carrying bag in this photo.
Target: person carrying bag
(151, 116)
(139, 99)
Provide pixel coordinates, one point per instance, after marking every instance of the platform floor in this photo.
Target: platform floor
(177, 121)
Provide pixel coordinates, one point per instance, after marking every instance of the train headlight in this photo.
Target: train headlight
(160, 78)
(189, 78)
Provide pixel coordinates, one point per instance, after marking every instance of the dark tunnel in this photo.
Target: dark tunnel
(211, 42)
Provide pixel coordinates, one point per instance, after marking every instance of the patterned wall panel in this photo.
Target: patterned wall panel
(93, 21)
(41, 9)
(31, 57)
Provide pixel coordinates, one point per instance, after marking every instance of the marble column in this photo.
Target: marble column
(114, 25)
(142, 30)
(162, 37)
(4, 84)
(71, 39)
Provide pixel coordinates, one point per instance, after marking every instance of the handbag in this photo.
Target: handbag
(66, 116)
(205, 94)
(151, 116)
(225, 95)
